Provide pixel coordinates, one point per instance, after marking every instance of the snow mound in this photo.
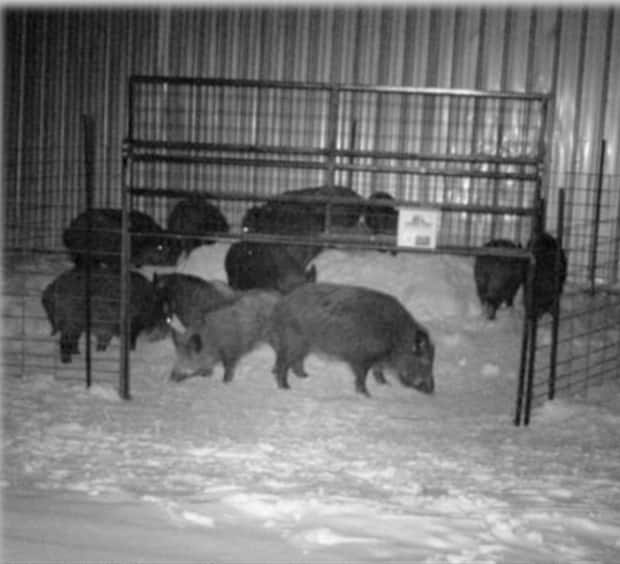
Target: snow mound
(432, 287)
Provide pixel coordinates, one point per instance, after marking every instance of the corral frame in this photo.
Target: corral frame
(476, 156)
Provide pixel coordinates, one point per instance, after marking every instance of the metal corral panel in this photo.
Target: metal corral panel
(61, 64)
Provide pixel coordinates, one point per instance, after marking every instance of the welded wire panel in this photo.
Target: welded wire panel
(30, 348)
(436, 122)
(225, 114)
(588, 349)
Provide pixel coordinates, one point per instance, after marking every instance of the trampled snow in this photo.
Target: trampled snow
(244, 472)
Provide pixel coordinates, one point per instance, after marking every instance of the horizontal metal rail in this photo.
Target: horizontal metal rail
(139, 145)
(233, 82)
(348, 240)
(420, 171)
(239, 196)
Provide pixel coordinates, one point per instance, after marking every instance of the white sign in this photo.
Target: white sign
(418, 227)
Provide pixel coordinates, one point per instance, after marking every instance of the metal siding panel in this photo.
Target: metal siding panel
(516, 50)
(591, 90)
(493, 49)
(446, 47)
(612, 122)
(42, 127)
(422, 45)
(434, 42)
(82, 63)
(299, 71)
(565, 140)
(368, 52)
(611, 132)
(541, 73)
(566, 93)
(344, 40)
(465, 49)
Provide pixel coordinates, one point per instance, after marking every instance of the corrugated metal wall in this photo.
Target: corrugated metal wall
(63, 63)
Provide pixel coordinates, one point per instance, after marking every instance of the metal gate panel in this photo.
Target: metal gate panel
(425, 145)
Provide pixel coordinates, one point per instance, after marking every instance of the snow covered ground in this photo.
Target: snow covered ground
(202, 471)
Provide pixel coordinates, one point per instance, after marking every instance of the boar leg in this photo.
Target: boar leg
(229, 369)
(360, 378)
(280, 369)
(68, 345)
(298, 368)
(378, 375)
(291, 353)
(103, 340)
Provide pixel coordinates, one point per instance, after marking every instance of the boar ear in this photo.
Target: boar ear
(423, 345)
(311, 274)
(195, 343)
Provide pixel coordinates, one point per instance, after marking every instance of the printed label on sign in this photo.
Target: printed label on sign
(418, 227)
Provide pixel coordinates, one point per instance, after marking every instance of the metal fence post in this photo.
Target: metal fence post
(555, 327)
(124, 390)
(125, 274)
(332, 133)
(89, 154)
(597, 218)
(525, 348)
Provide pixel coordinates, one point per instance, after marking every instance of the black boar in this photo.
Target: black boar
(287, 219)
(381, 220)
(283, 219)
(544, 249)
(190, 297)
(268, 266)
(498, 278)
(195, 216)
(64, 301)
(148, 245)
(224, 335)
(362, 327)
(290, 216)
(345, 215)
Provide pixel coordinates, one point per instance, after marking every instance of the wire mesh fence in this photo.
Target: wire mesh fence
(587, 351)
(30, 348)
(588, 346)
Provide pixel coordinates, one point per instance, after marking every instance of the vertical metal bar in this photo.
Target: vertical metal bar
(127, 167)
(529, 108)
(556, 302)
(539, 222)
(130, 119)
(533, 325)
(611, 22)
(19, 164)
(524, 356)
(615, 275)
(579, 103)
(89, 149)
(496, 222)
(125, 273)
(597, 218)
(530, 311)
(476, 121)
(352, 139)
(543, 170)
(332, 132)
